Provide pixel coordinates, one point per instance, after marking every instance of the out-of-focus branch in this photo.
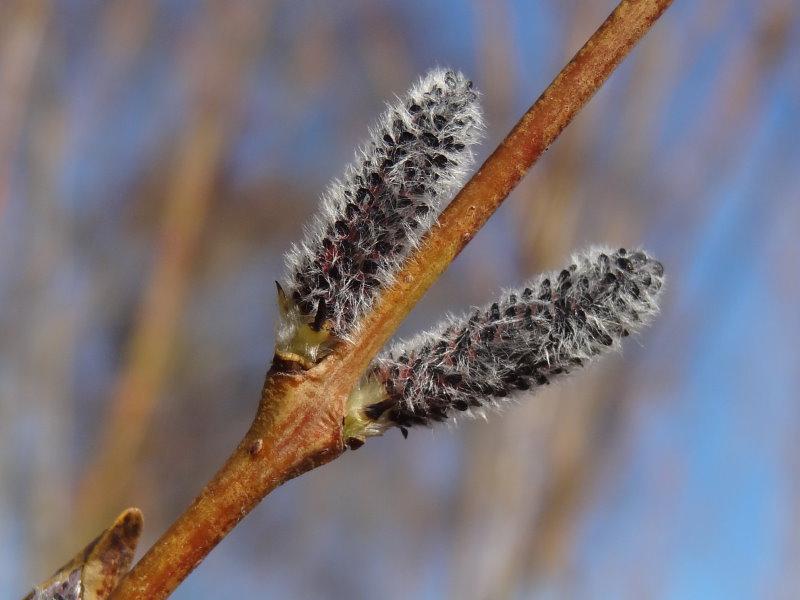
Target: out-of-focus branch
(216, 78)
(147, 357)
(298, 423)
(19, 49)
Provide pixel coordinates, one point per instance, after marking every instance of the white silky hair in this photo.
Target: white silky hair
(70, 588)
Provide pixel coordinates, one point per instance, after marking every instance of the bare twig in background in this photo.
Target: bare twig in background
(52, 328)
(22, 33)
(216, 75)
(298, 424)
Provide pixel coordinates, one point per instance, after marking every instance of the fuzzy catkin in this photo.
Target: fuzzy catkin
(416, 157)
(532, 335)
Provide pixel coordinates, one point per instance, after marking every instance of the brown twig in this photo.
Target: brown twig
(298, 423)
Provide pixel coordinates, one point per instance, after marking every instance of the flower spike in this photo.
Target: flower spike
(415, 159)
(532, 335)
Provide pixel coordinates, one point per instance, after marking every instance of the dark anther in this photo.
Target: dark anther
(495, 311)
(341, 227)
(347, 248)
(354, 443)
(363, 194)
(319, 318)
(528, 318)
(545, 293)
(430, 139)
(624, 263)
(453, 378)
(333, 272)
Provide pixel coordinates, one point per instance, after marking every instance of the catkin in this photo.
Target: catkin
(416, 157)
(520, 342)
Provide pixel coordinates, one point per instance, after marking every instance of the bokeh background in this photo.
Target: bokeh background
(157, 158)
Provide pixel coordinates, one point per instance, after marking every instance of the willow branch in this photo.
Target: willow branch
(298, 425)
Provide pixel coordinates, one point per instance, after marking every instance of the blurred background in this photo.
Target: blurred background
(157, 158)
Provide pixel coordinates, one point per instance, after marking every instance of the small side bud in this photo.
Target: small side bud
(416, 157)
(95, 571)
(524, 340)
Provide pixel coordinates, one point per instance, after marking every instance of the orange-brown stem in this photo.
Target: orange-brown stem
(298, 424)
(294, 431)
